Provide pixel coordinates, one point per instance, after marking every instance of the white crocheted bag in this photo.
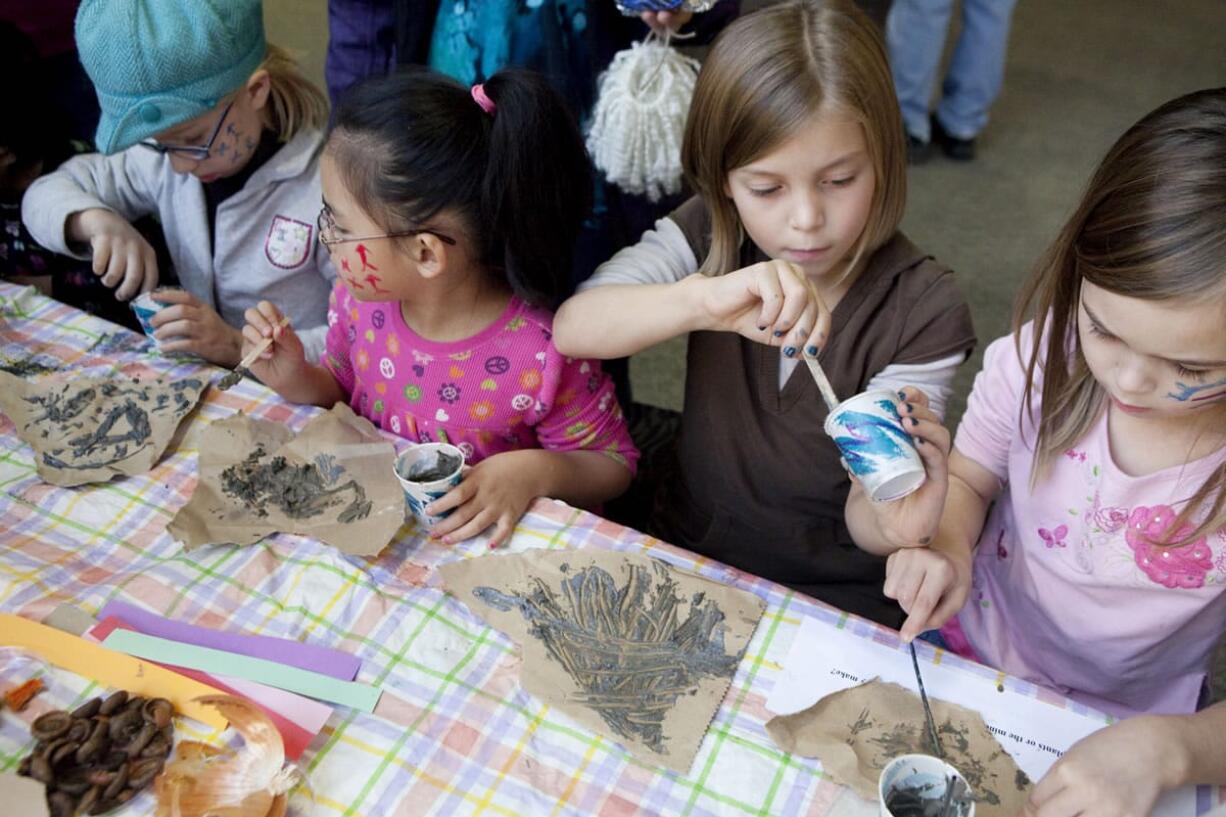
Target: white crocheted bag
(639, 118)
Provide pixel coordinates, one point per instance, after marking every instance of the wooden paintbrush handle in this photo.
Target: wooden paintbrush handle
(262, 346)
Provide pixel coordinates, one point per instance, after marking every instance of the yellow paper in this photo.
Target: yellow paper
(109, 667)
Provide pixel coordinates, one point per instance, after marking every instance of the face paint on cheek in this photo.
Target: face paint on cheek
(1198, 394)
(373, 280)
(362, 254)
(347, 274)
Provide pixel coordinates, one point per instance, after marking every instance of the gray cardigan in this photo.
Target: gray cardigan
(265, 249)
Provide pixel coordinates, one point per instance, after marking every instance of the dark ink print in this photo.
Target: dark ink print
(119, 421)
(38, 364)
(628, 649)
(114, 343)
(901, 739)
(863, 723)
(299, 491)
(59, 408)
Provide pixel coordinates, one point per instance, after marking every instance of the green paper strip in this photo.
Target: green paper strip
(362, 697)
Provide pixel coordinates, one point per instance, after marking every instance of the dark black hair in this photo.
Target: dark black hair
(414, 143)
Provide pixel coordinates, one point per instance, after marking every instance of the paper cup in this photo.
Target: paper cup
(876, 448)
(920, 776)
(418, 494)
(145, 308)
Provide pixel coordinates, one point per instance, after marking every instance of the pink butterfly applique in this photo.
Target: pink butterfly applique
(1054, 538)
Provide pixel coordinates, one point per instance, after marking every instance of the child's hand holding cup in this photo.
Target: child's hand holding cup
(896, 448)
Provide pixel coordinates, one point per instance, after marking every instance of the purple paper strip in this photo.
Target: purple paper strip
(325, 660)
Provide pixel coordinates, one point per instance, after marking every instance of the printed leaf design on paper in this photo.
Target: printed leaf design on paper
(627, 648)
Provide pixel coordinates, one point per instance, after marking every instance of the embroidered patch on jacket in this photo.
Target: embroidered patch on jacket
(288, 243)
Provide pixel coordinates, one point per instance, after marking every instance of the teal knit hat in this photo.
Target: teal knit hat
(158, 63)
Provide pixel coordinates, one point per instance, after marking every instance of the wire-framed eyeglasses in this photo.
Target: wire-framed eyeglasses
(327, 232)
(199, 153)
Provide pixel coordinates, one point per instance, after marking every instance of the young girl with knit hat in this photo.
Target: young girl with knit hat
(218, 134)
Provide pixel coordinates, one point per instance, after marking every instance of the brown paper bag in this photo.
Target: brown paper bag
(628, 646)
(333, 481)
(856, 732)
(88, 429)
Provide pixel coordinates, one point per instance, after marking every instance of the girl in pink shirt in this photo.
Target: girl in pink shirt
(450, 214)
(1085, 523)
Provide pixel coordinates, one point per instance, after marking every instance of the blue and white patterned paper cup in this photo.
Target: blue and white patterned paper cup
(875, 446)
(926, 774)
(418, 495)
(145, 308)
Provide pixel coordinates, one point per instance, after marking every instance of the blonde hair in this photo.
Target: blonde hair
(767, 74)
(1151, 225)
(294, 102)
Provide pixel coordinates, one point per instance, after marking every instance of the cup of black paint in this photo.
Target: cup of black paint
(427, 472)
(918, 786)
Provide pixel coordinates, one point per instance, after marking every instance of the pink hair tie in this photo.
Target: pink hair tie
(484, 101)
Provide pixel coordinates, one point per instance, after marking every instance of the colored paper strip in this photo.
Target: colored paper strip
(109, 667)
(362, 697)
(324, 660)
(297, 718)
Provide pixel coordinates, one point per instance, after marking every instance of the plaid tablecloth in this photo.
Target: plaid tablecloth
(454, 734)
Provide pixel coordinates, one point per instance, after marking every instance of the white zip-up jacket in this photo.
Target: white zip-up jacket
(265, 247)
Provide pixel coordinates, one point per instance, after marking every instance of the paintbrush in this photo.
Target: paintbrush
(241, 370)
(823, 383)
(932, 727)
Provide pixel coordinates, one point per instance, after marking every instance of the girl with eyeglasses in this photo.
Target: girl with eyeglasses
(216, 133)
(451, 215)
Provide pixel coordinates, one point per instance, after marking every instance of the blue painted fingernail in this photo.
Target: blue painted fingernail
(778, 334)
(812, 351)
(910, 408)
(902, 395)
(790, 351)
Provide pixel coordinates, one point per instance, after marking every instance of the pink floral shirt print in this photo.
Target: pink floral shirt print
(1068, 590)
(506, 388)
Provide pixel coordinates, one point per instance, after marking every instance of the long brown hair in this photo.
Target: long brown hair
(767, 74)
(1150, 225)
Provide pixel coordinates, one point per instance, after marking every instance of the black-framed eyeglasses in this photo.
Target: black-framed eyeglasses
(327, 232)
(197, 153)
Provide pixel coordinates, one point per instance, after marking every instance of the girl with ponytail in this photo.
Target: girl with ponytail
(450, 214)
